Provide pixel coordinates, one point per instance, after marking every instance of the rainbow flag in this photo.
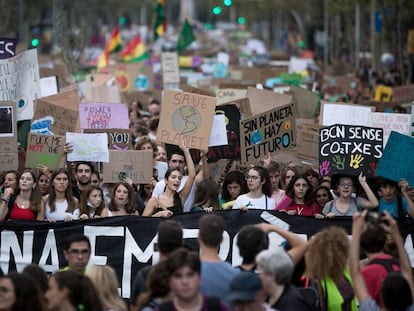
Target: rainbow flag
(134, 51)
(114, 43)
(159, 19)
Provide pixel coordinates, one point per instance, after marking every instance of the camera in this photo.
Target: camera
(373, 218)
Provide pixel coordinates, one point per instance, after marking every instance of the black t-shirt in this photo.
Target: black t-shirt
(291, 300)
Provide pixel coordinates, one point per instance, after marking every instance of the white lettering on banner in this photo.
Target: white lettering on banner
(50, 248)
(92, 232)
(132, 249)
(10, 244)
(23, 252)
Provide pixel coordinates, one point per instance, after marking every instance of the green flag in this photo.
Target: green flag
(186, 37)
(159, 19)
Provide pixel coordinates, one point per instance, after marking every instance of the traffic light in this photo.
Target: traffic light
(227, 2)
(301, 43)
(241, 20)
(34, 43)
(217, 10)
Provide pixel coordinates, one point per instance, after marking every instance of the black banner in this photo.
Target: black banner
(129, 242)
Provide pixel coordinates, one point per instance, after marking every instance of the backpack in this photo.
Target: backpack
(388, 264)
(213, 304)
(311, 293)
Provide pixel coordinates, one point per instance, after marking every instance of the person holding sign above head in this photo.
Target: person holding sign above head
(346, 204)
(299, 199)
(122, 201)
(60, 204)
(172, 201)
(92, 203)
(26, 203)
(260, 189)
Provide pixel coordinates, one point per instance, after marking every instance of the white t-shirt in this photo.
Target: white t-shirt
(263, 202)
(188, 204)
(60, 212)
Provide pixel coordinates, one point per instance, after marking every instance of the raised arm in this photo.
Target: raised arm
(191, 175)
(404, 191)
(359, 283)
(204, 172)
(371, 202)
(63, 160)
(389, 224)
(299, 245)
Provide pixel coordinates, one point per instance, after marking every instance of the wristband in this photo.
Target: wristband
(4, 200)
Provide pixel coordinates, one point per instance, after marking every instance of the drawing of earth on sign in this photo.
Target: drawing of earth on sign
(186, 120)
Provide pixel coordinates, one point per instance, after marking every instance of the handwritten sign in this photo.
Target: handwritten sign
(9, 161)
(398, 122)
(118, 139)
(266, 133)
(263, 100)
(186, 117)
(48, 86)
(344, 114)
(349, 149)
(44, 149)
(88, 147)
(135, 164)
(170, 70)
(307, 140)
(397, 161)
(19, 82)
(229, 95)
(7, 47)
(306, 102)
(103, 116)
(403, 94)
(51, 119)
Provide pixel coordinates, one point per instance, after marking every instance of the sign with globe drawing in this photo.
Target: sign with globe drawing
(186, 118)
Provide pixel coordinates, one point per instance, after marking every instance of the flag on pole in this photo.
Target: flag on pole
(186, 37)
(159, 19)
(114, 43)
(134, 51)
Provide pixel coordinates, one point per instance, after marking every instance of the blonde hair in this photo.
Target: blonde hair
(327, 255)
(105, 280)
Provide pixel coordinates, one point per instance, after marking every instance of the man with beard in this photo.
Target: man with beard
(83, 174)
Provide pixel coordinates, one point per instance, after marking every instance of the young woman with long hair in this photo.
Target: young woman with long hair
(92, 203)
(122, 201)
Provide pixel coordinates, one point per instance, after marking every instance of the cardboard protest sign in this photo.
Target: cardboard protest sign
(133, 76)
(186, 117)
(229, 95)
(195, 90)
(262, 100)
(306, 102)
(8, 136)
(88, 147)
(50, 119)
(398, 122)
(19, 82)
(232, 116)
(170, 70)
(103, 116)
(383, 93)
(7, 47)
(397, 161)
(349, 149)
(266, 133)
(403, 94)
(44, 149)
(307, 140)
(337, 113)
(135, 164)
(118, 139)
(101, 88)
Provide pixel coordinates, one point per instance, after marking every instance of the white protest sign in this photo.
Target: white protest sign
(48, 86)
(332, 113)
(398, 122)
(218, 136)
(19, 82)
(88, 147)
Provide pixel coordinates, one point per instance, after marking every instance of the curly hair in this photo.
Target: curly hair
(327, 255)
(146, 140)
(231, 177)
